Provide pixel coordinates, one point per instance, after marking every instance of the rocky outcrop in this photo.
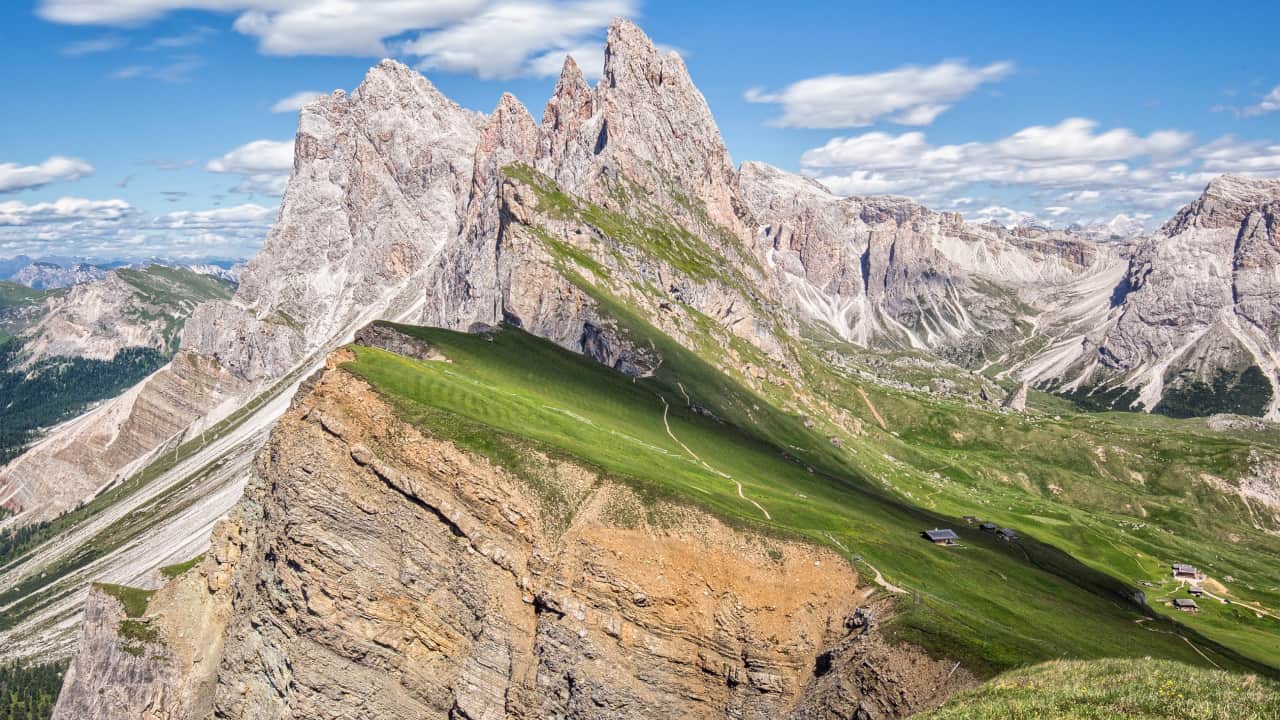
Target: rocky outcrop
(1017, 398)
(47, 275)
(161, 663)
(96, 320)
(888, 272)
(116, 439)
(1194, 327)
(379, 186)
(394, 573)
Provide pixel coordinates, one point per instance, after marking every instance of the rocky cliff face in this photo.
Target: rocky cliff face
(605, 186)
(161, 663)
(888, 272)
(379, 185)
(1193, 327)
(404, 206)
(390, 574)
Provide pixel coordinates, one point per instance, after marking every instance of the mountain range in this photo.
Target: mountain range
(576, 418)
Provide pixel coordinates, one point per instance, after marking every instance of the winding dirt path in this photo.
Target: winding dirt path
(665, 407)
(872, 408)
(885, 583)
(1209, 660)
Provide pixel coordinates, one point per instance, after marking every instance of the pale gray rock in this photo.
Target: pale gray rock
(1017, 398)
(1198, 297)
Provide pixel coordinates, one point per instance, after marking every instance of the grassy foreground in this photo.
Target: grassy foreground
(992, 604)
(1116, 690)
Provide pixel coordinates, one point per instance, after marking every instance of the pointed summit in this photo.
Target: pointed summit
(657, 129)
(629, 55)
(510, 127)
(571, 102)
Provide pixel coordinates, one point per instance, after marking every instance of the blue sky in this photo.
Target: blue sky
(146, 127)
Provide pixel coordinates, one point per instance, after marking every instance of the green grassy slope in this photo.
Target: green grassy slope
(993, 605)
(56, 389)
(1121, 495)
(12, 293)
(1116, 690)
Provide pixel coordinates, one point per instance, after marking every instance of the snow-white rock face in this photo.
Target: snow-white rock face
(886, 271)
(50, 276)
(1199, 302)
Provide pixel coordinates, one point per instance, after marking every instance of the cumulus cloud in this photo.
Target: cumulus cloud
(1073, 171)
(1269, 104)
(263, 165)
(65, 209)
(1072, 152)
(114, 229)
(499, 41)
(296, 101)
(492, 38)
(909, 95)
(14, 177)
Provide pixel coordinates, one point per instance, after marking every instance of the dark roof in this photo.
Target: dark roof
(941, 534)
(1185, 603)
(1181, 568)
(1006, 532)
(988, 526)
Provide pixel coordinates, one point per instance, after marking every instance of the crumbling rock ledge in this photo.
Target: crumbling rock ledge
(384, 573)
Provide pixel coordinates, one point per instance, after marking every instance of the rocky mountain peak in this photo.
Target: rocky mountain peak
(639, 98)
(1225, 203)
(394, 82)
(571, 103)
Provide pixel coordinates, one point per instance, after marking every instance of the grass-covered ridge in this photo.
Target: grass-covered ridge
(993, 604)
(12, 293)
(1140, 689)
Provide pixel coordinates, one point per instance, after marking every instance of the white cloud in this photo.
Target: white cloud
(909, 95)
(65, 209)
(105, 43)
(1268, 104)
(1062, 171)
(187, 39)
(14, 177)
(342, 27)
(249, 214)
(174, 72)
(1228, 155)
(498, 41)
(114, 229)
(263, 164)
(1006, 216)
(284, 27)
(493, 38)
(1081, 196)
(1069, 153)
(294, 102)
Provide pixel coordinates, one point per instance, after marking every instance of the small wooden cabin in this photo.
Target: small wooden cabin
(941, 536)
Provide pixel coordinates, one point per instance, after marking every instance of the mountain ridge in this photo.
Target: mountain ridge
(605, 231)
